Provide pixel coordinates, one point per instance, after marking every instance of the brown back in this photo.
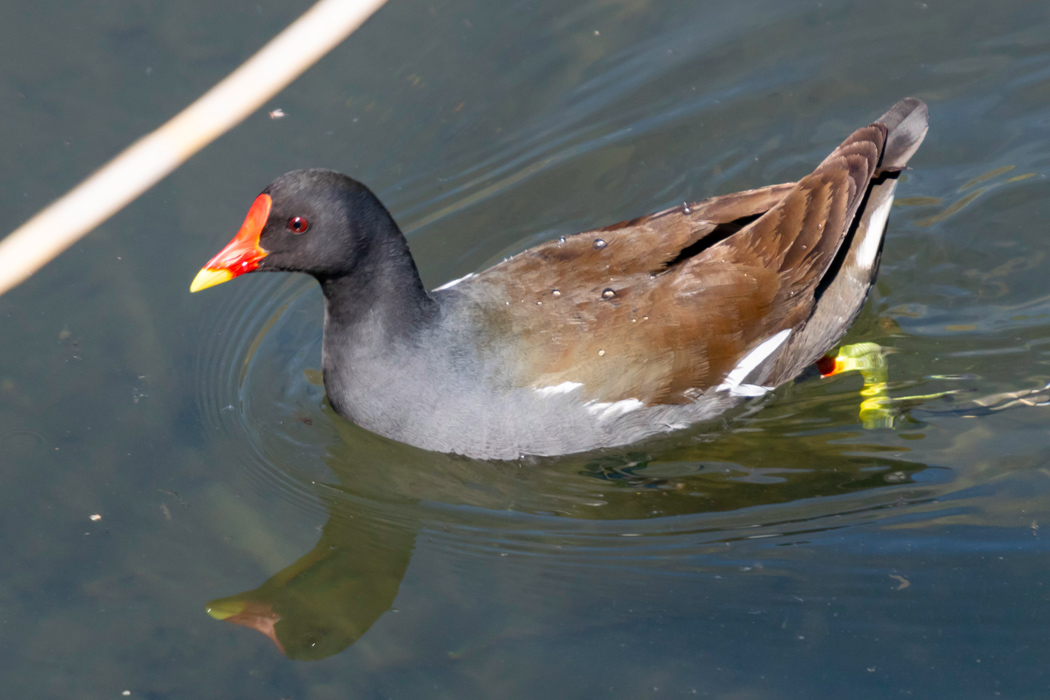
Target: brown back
(663, 307)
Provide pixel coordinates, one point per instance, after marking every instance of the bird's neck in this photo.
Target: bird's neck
(383, 294)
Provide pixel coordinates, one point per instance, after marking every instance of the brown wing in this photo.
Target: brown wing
(647, 244)
(661, 308)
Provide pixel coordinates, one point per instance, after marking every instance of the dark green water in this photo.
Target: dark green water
(792, 554)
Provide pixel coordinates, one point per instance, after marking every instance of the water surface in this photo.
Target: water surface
(788, 553)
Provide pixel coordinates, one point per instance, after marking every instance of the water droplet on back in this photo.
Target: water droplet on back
(608, 294)
(599, 243)
(555, 293)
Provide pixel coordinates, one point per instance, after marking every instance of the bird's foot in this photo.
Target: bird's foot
(877, 409)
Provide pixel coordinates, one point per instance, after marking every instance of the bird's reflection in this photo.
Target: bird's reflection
(326, 600)
(330, 597)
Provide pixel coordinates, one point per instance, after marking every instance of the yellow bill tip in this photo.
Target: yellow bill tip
(209, 278)
(225, 608)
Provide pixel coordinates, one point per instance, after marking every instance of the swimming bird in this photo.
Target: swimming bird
(593, 340)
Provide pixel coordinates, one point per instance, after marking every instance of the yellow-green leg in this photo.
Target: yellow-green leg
(869, 359)
(877, 409)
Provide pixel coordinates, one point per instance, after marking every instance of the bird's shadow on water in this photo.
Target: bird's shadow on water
(762, 477)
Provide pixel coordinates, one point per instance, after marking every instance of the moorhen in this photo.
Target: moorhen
(593, 340)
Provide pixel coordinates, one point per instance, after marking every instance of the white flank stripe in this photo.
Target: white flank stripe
(869, 247)
(748, 390)
(607, 410)
(734, 381)
(453, 283)
(563, 388)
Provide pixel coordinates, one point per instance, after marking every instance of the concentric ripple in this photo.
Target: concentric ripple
(257, 347)
(257, 375)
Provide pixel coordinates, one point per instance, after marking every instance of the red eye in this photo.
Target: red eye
(298, 224)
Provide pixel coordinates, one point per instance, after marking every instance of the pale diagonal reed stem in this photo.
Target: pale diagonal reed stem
(39, 240)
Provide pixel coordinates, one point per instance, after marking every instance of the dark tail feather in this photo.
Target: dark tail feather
(843, 292)
(906, 123)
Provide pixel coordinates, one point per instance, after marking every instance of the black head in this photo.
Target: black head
(315, 221)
